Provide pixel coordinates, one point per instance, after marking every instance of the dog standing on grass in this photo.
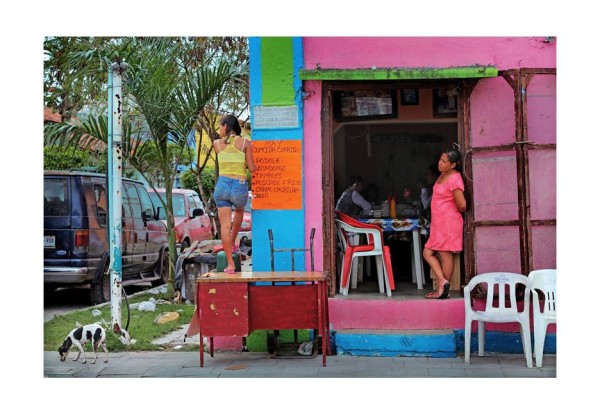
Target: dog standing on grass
(80, 336)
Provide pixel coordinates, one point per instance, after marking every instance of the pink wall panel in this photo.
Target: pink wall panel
(542, 184)
(543, 242)
(492, 113)
(497, 249)
(495, 186)
(313, 187)
(346, 314)
(541, 109)
(435, 52)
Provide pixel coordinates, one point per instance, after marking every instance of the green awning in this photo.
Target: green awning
(385, 74)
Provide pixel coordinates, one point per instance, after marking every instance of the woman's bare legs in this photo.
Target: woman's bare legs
(439, 268)
(225, 219)
(447, 264)
(238, 217)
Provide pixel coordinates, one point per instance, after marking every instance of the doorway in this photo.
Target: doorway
(390, 144)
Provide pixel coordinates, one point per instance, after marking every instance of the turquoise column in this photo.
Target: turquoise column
(275, 86)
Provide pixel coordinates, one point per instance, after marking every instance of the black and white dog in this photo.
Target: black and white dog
(80, 336)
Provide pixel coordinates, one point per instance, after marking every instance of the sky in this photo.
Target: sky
(24, 27)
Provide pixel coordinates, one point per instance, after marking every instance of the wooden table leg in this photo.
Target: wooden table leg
(322, 310)
(201, 349)
(200, 326)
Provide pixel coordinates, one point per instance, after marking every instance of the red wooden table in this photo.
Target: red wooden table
(231, 305)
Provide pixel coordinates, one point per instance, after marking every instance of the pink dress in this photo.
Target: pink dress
(446, 221)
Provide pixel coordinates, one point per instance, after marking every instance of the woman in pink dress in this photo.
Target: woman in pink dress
(446, 237)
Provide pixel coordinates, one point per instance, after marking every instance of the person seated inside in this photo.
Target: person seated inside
(351, 202)
(427, 189)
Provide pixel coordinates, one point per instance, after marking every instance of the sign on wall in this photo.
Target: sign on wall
(277, 182)
(275, 117)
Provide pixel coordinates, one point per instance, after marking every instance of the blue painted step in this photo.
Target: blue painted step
(428, 343)
(503, 342)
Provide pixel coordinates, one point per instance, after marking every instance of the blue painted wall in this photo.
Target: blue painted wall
(287, 225)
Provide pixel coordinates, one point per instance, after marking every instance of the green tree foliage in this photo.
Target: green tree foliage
(189, 180)
(73, 158)
(163, 94)
(153, 158)
(69, 86)
(60, 158)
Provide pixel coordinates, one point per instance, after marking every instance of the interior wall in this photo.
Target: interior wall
(393, 156)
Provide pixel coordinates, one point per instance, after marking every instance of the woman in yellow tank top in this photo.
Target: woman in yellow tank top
(231, 191)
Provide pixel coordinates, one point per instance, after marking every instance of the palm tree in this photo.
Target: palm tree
(162, 100)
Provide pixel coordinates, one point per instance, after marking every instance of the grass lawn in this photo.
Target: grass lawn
(142, 326)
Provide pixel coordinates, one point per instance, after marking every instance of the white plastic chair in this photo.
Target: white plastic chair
(352, 253)
(351, 239)
(497, 282)
(545, 281)
(341, 250)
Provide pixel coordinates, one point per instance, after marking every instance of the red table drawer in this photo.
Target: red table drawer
(224, 309)
(284, 307)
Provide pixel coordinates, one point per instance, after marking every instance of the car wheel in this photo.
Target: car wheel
(162, 269)
(50, 288)
(100, 290)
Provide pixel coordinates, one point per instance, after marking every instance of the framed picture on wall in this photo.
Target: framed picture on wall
(409, 96)
(445, 102)
(365, 104)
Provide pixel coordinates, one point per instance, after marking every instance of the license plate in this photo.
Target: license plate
(49, 241)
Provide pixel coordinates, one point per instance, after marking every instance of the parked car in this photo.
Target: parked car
(192, 222)
(76, 234)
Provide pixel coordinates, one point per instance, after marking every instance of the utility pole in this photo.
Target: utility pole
(115, 196)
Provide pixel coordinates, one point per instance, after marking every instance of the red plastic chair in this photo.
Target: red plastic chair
(346, 226)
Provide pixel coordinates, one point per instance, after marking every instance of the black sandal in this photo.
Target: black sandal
(442, 296)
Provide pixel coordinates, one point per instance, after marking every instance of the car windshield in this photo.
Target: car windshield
(178, 205)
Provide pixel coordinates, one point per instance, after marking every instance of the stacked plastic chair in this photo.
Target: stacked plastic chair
(543, 280)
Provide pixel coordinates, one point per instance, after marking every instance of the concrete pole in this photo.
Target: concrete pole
(115, 196)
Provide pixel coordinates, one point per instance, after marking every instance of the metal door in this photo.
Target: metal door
(509, 128)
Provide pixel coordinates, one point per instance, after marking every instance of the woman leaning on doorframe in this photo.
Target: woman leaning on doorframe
(446, 233)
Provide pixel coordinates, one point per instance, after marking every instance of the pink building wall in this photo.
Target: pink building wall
(436, 52)
(492, 118)
(312, 170)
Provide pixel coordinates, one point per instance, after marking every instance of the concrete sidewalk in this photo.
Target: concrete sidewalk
(174, 364)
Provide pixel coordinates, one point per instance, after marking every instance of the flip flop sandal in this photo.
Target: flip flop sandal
(433, 295)
(446, 291)
(229, 270)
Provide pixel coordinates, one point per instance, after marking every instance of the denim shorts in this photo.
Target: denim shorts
(230, 192)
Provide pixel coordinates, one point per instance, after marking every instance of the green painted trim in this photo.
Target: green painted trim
(397, 73)
(277, 66)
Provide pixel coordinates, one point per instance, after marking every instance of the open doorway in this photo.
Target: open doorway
(390, 144)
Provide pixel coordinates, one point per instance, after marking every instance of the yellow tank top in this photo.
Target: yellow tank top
(231, 160)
